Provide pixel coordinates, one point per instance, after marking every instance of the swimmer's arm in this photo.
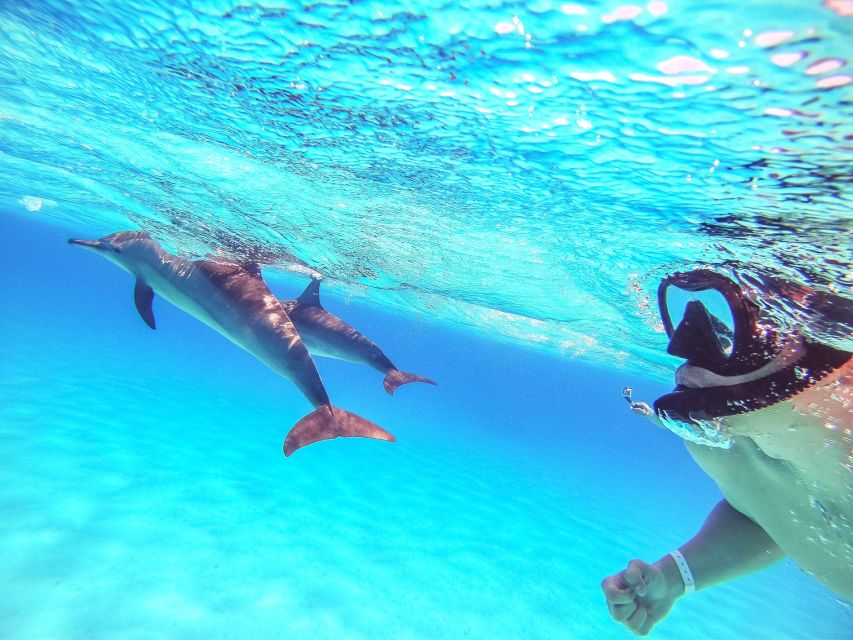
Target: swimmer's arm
(729, 545)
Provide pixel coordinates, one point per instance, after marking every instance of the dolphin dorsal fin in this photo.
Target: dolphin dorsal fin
(143, 296)
(252, 267)
(311, 296)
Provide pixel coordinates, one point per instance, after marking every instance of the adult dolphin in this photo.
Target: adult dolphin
(327, 335)
(234, 300)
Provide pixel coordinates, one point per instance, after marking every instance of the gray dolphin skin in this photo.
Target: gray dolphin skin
(327, 335)
(234, 300)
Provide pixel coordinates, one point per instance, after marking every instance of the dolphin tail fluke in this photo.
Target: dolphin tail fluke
(395, 378)
(328, 422)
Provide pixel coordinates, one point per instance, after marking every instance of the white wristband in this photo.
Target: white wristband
(684, 569)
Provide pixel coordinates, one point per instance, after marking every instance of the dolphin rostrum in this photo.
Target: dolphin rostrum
(327, 335)
(234, 300)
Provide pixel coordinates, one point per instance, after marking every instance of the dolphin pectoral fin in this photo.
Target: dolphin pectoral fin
(143, 296)
(311, 296)
(325, 423)
(395, 378)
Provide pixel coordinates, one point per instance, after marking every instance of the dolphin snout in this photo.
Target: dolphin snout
(94, 244)
(97, 245)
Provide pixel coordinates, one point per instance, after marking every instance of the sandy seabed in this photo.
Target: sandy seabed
(151, 510)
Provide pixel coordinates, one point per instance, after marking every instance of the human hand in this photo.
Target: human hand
(639, 597)
(642, 408)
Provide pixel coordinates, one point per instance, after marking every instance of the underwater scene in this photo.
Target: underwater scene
(436, 246)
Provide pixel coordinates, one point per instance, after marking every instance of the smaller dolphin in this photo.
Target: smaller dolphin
(327, 335)
(234, 300)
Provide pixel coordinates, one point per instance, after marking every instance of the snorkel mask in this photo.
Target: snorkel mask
(714, 327)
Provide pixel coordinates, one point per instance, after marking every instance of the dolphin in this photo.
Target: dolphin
(327, 335)
(233, 299)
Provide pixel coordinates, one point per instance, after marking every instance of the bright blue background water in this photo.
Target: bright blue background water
(492, 190)
(145, 494)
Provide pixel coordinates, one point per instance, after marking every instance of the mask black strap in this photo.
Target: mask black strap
(717, 402)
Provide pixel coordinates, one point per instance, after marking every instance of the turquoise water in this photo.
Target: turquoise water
(492, 192)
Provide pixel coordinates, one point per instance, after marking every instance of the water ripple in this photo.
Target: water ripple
(512, 166)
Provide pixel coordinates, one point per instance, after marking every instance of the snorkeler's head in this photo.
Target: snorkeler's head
(736, 360)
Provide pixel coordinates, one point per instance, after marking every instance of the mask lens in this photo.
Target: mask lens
(715, 304)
